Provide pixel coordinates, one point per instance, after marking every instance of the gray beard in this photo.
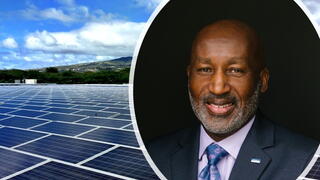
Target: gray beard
(216, 124)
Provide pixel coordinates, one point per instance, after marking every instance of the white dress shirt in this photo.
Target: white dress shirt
(231, 144)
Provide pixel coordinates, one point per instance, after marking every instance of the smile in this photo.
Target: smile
(220, 109)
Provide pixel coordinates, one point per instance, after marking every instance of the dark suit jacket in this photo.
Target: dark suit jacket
(283, 154)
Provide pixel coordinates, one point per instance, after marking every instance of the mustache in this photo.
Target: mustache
(218, 98)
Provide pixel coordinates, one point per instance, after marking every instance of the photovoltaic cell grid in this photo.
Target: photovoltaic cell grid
(69, 132)
(312, 171)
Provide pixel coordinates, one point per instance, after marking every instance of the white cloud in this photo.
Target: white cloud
(26, 58)
(41, 59)
(101, 58)
(51, 13)
(66, 2)
(9, 43)
(314, 8)
(67, 14)
(33, 60)
(100, 39)
(149, 4)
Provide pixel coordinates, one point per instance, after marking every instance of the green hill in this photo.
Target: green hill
(109, 65)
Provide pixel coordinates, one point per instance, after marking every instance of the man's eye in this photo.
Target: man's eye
(206, 70)
(236, 70)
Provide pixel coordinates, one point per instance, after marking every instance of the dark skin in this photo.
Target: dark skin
(226, 58)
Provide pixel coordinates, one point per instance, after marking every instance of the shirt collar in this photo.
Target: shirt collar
(231, 144)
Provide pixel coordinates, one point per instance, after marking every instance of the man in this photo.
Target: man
(226, 75)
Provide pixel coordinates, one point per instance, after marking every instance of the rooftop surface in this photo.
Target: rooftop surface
(68, 132)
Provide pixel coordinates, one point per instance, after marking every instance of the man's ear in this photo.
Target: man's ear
(264, 78)
(188, 70)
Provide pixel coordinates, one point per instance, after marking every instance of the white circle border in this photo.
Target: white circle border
(133, 65)
(130, 89)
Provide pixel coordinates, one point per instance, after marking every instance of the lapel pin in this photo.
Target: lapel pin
(256, 160)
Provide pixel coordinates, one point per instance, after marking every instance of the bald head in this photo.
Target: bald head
(243, 36)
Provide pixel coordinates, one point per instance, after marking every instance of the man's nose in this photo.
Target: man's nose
(219, 84)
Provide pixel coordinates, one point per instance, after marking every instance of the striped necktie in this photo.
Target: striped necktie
(214, 153)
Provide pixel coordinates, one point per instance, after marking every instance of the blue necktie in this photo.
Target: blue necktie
(214, 153)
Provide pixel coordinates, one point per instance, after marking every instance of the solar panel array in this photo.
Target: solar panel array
(69, 132)
(312, 171)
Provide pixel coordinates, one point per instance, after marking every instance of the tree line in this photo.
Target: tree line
(52, 75)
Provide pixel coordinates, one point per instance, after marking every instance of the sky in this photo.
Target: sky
(44, 33)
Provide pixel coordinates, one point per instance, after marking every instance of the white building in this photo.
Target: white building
(30, 81)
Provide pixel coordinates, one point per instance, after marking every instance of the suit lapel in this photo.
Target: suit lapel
(252, 159)
(247, 165)
(184, 162)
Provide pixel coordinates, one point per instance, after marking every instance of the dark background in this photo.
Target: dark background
(292, 51)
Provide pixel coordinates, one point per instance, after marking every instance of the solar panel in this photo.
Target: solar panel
(64, 148)
(61, 110)
(129, 127)
(21, 122)
(122, 111)
(83, 103)
(312, 171)
(95, 113)
(35, 103)
(124, 161)
(89, 107)
(63, 128)
(30, 107)
(121, 116)
(14, 101)
(115, 106)
(107, 122)
(60, 105)
(113, 136)
(11, 137)
(12, 162)
(9, 105)
(69, 132)
(5, 110)
(54, 170)
(3, 116)
(62, 117)
(28, 113)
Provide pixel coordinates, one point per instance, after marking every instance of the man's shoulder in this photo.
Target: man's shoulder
(176, 154)
(289, 152)
(163, 149)
(294, 142)
(291, 139)
(171, 142)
